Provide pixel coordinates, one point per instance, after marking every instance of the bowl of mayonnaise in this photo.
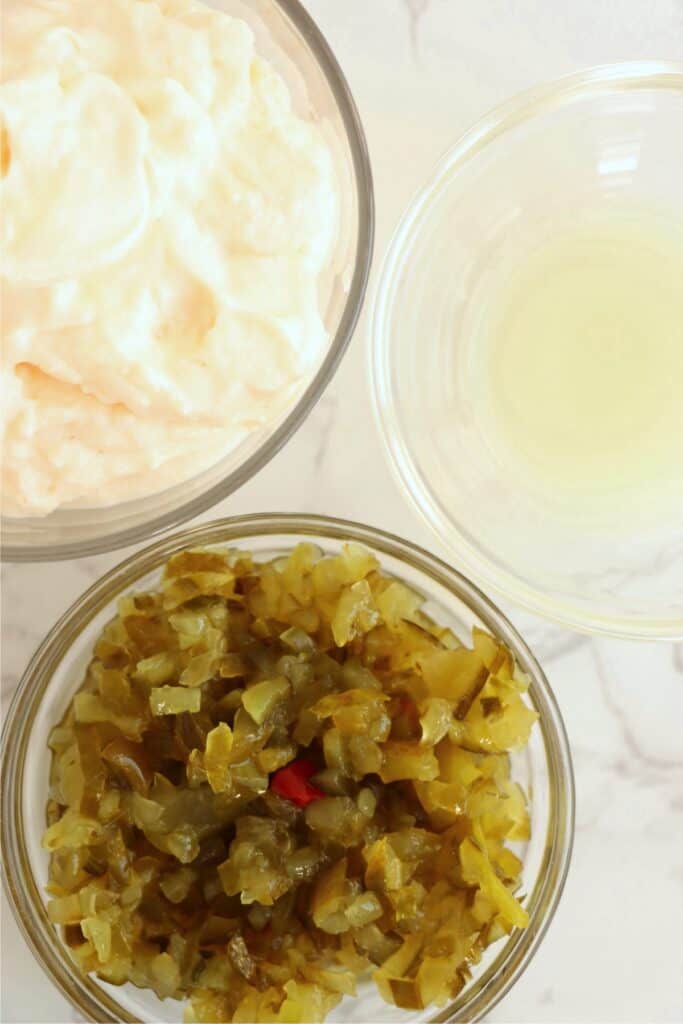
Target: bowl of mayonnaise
(187, 235)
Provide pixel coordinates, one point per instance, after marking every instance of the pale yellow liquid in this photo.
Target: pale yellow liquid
(582, 364)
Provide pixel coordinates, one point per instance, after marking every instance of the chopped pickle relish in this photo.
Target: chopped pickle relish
(279, 776)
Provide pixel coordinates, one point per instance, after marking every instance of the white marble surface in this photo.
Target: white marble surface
(422, 71)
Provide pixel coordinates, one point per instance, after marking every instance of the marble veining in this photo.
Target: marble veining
(416, 11)
(629, 729)
(326, 413)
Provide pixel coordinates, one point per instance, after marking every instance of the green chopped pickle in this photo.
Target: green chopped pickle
(280, 777)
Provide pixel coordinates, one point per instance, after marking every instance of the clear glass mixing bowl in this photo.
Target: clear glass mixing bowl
(288, 37)
(607, 139)
(56, 671)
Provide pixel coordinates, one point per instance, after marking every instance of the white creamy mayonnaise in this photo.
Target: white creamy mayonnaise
(166, 218)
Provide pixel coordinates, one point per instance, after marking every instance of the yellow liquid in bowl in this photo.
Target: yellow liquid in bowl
(582, 365)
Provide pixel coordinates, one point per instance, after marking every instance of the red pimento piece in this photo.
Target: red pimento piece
(291, 783)
(407, 707)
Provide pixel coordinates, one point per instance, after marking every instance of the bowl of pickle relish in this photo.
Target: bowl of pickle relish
(285, 768)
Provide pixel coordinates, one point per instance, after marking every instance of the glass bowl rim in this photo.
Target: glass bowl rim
(125, 535)
(524, 106)
(88, 997)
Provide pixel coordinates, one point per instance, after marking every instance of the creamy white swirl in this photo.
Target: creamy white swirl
(166, 217)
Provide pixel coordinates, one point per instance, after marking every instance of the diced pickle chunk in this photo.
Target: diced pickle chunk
(174, 700)
(261, 698)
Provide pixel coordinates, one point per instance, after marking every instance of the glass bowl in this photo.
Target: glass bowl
(55, 672)
(289, 38)
(604, 140)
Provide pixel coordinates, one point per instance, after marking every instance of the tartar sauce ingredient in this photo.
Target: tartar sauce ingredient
(166, 217)
(280, 776)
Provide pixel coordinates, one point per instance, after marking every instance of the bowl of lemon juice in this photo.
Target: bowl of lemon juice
(581, 369)
(527, 350)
